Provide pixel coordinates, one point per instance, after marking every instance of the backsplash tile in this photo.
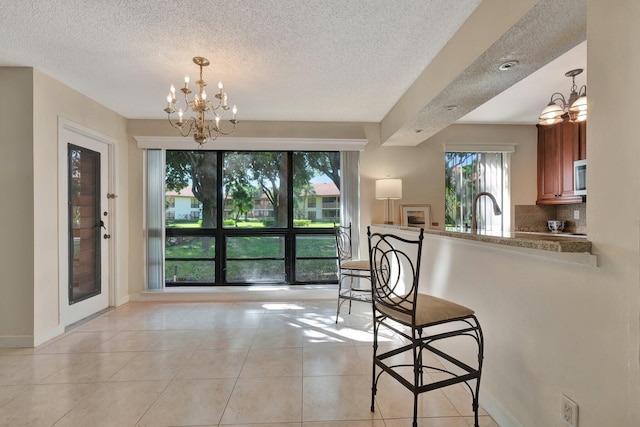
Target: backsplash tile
(565, 212)
(533, 218)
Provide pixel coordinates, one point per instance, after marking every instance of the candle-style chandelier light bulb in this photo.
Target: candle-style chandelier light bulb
(207, 115)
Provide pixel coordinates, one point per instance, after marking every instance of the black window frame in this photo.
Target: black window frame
(221, 233)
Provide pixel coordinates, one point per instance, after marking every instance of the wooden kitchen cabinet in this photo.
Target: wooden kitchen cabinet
(558, 147)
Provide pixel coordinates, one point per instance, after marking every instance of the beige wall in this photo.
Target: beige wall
(421, 168)
(30, 286)
(613, 211)
(17, 195)
(52, 99)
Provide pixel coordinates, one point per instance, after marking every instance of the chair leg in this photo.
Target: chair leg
(417, 372)
(476, 396)
(374, 387)
(350, 292)
(415, 409)
(339, 296)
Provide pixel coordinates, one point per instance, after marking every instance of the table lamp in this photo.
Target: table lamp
(389, 189)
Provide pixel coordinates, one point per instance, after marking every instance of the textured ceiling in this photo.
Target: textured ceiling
(303, 60)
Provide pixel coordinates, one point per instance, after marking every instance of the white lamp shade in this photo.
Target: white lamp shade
(580, 104)
(389, 188)
(552, 111)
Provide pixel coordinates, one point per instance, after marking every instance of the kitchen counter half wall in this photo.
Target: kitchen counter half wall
(557, 246)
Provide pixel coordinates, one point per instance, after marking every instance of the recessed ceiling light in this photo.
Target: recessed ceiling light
(508, 65)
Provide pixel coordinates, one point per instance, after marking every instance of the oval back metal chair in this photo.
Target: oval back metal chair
(419, 318)
(353, 274)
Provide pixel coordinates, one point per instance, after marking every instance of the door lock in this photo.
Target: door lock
(107, 236)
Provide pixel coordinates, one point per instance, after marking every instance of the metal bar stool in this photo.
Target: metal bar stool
(351, 272)
(421, 319)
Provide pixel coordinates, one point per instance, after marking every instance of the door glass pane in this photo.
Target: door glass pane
(84, 223)
(255, 259)
(255, 189)
(189, 259)
(191, 189)
(316, 258)
(316, 189)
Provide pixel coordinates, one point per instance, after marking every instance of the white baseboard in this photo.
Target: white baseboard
(123, 300)
(239, 293)
(499, 414)
(41, 337)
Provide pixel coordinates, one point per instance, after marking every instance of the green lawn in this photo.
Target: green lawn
(247, 224)
(242, 248)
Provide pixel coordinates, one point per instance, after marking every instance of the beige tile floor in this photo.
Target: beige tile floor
(216, 364)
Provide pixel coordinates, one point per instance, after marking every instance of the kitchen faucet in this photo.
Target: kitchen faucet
(496, 209)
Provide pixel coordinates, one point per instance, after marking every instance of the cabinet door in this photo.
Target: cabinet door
(569, 147)
(548, 163)
(582, 140)
(558, 147)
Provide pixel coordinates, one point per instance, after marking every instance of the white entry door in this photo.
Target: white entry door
(85, 246)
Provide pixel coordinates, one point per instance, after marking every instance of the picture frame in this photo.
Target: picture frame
(416, 215)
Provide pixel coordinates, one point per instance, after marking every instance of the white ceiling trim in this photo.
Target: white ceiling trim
(252, 144)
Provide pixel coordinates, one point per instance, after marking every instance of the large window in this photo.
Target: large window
(250, 217)
(468, 174)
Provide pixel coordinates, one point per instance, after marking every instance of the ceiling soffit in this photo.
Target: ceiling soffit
(545, 32)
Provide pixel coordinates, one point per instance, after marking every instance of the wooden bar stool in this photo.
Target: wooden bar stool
(423, 320)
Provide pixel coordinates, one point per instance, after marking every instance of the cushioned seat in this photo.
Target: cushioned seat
(419, 318)
(429, 310)
(356, 265)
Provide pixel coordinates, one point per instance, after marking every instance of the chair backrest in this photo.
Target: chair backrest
(343, 242)
(395, 271)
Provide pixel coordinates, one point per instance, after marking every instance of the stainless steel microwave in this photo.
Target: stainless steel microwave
(580, 177)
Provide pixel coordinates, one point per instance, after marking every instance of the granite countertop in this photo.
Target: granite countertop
(553, 242)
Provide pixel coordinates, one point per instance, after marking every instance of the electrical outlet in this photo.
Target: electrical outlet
(576, 214)
(569, 412)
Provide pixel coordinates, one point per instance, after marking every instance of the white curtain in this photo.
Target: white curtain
(350, 195)
(490, 179)
(154, 220)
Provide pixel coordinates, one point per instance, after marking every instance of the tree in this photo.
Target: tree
(199, 168)
(242, 196)
(459, 180)
(326, 162)
(266, 170)
(269, 170)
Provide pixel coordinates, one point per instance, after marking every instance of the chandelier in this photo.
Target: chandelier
(559, 107)
(205, 122)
